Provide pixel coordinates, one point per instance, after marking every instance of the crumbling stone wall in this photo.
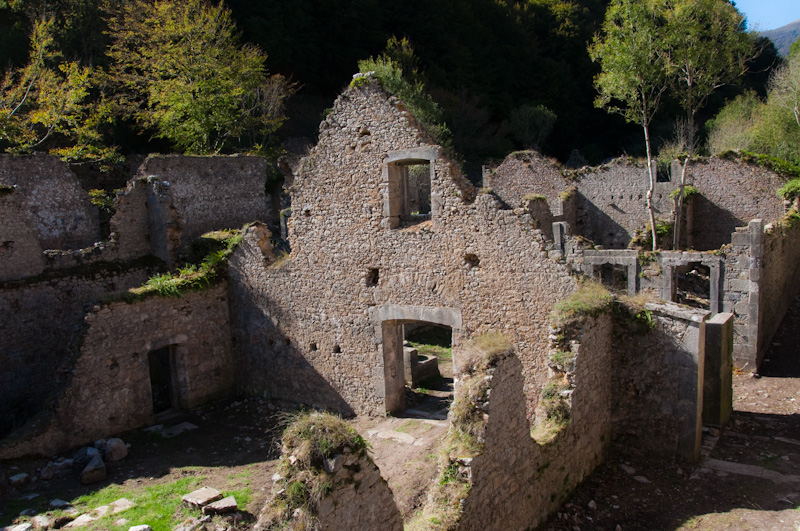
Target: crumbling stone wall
(658, 381)
(109, 389)
(731, 194)
(517, 482)
(612, 202)
(193, 195)
(304, 328)
(41, 316)
(59, 210)
(779, 279)
(527, 172)
(20, 252)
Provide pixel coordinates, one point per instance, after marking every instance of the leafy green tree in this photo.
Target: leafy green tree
(784, 86)
(532, 124)
(182, 72)
(706, 47)
(634, 77)
(47, 105)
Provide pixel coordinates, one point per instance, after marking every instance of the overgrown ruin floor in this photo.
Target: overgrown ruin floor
(748, 480)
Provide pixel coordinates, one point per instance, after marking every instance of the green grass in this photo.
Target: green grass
(591, 299)
(192, 276)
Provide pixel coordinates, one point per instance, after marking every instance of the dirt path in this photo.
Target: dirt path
(748, 479)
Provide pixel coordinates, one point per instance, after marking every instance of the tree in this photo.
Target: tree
(706, 47)
(47, 104)
(532, 124)
(182, 72)
(784, 86)
(633, 78)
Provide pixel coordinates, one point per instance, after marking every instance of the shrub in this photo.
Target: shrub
(590, 299)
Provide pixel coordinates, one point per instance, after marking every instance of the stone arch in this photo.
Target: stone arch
(388, 321)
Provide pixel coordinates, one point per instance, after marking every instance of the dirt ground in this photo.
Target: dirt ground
(749, 478)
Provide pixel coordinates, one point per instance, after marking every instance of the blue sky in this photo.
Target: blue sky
(765, 15)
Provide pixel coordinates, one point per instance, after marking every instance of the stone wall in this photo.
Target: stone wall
(731, 194)
(109, 390)
(193, 195)
(41, 316)
(309, 329)
(516, 482)
(523, 173)
(58, 208)
(20, 252)
(779, 280)
(658, 384)
(612, 202)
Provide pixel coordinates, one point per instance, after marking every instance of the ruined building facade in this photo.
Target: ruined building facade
(384, 231)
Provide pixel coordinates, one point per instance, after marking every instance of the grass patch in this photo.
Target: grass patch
(191, 277)
(589, 300)
(158, 506)
(534, 197)
(309, 439)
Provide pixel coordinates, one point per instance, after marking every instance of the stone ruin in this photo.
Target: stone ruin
(385, 231)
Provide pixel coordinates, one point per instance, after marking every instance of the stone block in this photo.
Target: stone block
(202, 497)
(94, 471)
(223, 506)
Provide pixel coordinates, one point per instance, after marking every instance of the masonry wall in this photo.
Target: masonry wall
(20, 252)
(472, 257)
(517, 482)
(109, 390)
(58, 208)
(523, 173)
(732, 193)
(205, 193)
(779, 280)
(658, 384)
(612, 202)
(41, 316)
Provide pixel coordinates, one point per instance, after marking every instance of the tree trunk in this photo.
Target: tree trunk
(676, 240)
(652, 184)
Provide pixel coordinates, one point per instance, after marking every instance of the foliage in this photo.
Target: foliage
(181, 71)
(47, 104)
(102, 200)
(790, 190)
(532, 124)
(191, 277)
(732, 127)
(408, 87)
(310, 438)
(534, 197)
(642, 238)
(589, 300)
(706, 47)
(689, 192)
(784, 86)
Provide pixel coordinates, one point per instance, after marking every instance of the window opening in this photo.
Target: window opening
(694, 285)
(409, 192)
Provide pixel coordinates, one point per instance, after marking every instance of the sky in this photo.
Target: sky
(763, 15)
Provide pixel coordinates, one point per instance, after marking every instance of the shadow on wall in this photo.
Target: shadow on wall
(596, 225)
(712, 224)
(269, 364)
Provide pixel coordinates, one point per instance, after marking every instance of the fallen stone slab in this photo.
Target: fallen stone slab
(143, 527)
(223, 506)
(18, 480)
(177, 429)
(202, 497)
(21, 527)
(41, 521)
(57, 469)
(95, 471)
(122, 504)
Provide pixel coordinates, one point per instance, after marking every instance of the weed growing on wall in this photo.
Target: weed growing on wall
(192, 276)
(689, 192)
(309, 440)
(589, 300)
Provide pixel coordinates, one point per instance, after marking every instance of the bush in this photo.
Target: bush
(590, 299)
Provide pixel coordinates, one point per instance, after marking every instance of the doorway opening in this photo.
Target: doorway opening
(162, 385)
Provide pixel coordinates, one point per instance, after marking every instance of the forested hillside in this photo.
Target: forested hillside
(784, 36)
(493, 66)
